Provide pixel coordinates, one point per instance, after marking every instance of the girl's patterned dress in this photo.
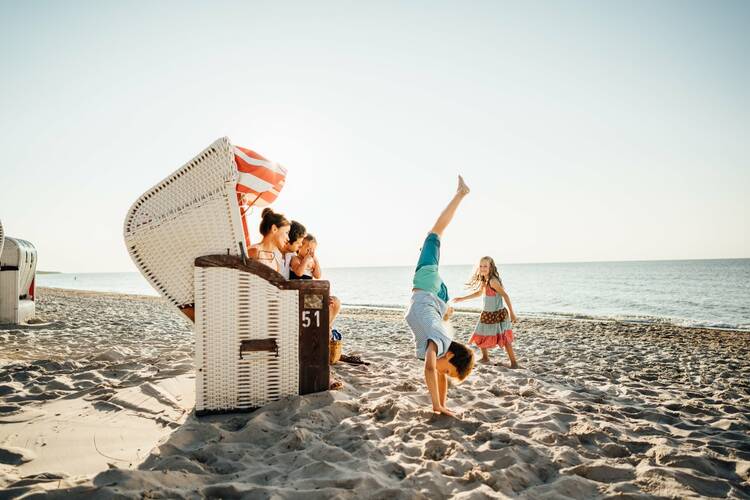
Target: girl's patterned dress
(494, 327)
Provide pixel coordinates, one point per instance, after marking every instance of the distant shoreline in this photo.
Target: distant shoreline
(460, 311)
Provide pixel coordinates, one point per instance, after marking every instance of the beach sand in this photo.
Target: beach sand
(96, 401)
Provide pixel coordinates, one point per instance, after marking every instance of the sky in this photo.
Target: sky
(588, 131)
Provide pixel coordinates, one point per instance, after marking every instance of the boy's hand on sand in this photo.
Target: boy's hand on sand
(463, 189)
(513, 318)
(448, 313)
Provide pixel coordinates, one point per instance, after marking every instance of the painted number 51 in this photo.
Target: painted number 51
(308, 317)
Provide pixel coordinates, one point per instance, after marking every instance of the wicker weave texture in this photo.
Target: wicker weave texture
(2, 237)
(231, 307)
(191, 213)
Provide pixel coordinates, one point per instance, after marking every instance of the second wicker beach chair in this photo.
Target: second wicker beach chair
(18, 259)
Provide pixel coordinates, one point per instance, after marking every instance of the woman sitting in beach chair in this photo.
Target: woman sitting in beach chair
(274, 228)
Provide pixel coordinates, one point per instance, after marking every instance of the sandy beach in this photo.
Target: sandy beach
(96, 401)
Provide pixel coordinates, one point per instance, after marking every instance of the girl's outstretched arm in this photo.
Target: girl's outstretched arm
(470, 296)
(448, 212)
(495, 284)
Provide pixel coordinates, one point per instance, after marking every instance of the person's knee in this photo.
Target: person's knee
(335, 304)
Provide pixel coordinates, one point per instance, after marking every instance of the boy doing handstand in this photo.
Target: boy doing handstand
(429, 311)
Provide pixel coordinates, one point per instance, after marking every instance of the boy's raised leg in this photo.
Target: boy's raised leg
(449, 211)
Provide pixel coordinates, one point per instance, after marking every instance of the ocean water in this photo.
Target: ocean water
(707, 293)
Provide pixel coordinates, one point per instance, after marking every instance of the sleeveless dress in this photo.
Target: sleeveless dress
(493, 334)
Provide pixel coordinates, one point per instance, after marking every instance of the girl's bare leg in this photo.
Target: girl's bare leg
(485, 355)
(448, 212)
(511, 355)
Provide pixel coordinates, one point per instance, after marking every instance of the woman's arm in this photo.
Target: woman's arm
(495, 284)
(470, 296)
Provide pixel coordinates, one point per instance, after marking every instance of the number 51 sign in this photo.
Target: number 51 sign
(314, 336)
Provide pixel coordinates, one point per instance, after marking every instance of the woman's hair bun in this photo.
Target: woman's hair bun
(266, 212)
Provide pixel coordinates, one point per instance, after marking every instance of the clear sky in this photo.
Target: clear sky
(587, 130)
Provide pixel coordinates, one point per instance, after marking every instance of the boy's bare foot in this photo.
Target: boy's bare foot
(514, 365)
(463, 189)
(445, 411)
(484, 360)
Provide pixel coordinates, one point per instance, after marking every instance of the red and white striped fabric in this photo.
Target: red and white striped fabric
(259, 184)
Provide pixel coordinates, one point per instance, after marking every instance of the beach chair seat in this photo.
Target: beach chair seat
(258, 336)
(188, 237)
(18, 261)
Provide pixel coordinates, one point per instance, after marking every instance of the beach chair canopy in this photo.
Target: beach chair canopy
(2, 237)
(259, 182)
(198, 210)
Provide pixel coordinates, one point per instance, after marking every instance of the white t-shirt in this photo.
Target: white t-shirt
(287, 264)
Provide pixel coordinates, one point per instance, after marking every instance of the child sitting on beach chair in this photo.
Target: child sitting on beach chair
(428, 312)
(305, 266)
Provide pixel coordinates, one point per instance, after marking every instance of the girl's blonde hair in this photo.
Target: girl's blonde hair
(477, 281)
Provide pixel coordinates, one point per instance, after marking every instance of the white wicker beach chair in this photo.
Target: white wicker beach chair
(17, 280)
(258, 336)
(2, 237)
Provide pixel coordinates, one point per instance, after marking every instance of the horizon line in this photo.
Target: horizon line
(457, 265)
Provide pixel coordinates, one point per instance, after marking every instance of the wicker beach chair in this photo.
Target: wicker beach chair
(17, 280)
(258, 337)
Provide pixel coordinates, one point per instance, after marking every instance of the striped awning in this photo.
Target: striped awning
(259, 184)
(260, 180)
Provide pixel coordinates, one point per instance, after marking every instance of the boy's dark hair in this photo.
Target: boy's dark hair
(463, 359)
(296, 231)
(269, 218)
(310, 237)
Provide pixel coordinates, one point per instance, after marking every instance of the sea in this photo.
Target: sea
(694, 293)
